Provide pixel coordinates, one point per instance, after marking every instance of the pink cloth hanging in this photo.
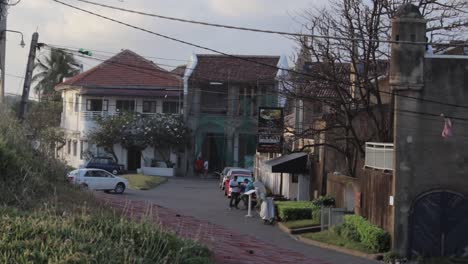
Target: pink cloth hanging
(448, 130)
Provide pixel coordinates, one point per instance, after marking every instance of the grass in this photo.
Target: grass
(143, 182)
(301, 223)
(46, 237)
(44, 219)
(330, 237)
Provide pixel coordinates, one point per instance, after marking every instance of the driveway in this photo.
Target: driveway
(203, 200)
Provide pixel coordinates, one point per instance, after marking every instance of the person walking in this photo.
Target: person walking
(235, 191)
(205, 168)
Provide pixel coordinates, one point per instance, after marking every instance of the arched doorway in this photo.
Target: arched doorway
(439, 225)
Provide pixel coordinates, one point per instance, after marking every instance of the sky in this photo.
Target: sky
(63, 26)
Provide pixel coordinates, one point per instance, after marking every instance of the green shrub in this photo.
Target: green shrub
(293, 210)
(390, 257)
(325, 201)
(359, 229)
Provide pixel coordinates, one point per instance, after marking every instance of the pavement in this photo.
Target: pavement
(197, 209)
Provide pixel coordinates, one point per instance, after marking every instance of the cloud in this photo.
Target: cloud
(61, 25)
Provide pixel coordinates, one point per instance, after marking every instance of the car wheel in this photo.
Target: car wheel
(84, 186)
(115, 172)
(119, 188)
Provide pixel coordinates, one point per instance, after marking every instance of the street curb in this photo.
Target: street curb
(297, 231)
(355, 253)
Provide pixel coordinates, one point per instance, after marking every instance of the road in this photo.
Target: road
(203, 199)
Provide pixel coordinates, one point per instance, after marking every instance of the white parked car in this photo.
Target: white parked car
(97, 179)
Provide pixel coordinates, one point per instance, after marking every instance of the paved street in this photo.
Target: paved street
(206, 203)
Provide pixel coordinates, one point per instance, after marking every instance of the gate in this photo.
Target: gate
(439, 225)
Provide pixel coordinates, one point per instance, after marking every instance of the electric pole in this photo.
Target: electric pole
(3, 25)
(28, 76)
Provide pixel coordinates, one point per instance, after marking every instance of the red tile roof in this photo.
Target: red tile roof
(125, 70)
(244, 68)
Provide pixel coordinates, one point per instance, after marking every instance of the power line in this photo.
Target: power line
(261, 30)
(223, 53)
(113, 53)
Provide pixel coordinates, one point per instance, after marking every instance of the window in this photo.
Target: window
(96, 173)
(170, 107)
(69, 147)
(77, 103)
(75, 146)
(94, 105)
(214, 99)
(81, 149)
(294, 178)
(149, 106)
(125, 106)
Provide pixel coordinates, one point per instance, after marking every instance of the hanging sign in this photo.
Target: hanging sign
(270, 130)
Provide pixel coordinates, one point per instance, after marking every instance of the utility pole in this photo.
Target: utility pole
(28, 77)
(3, 27)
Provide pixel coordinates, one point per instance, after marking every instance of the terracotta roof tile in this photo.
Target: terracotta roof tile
(245, 68)
(125, 70)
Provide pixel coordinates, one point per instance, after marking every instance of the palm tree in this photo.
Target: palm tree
(51, 70)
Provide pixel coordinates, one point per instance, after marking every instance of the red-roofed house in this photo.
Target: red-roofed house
(125, 82)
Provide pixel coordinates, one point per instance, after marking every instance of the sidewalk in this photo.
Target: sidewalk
(229, 247)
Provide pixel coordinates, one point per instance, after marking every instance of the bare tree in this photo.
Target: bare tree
(345, 74)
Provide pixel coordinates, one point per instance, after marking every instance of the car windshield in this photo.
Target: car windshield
(244, 172)
(242, 178)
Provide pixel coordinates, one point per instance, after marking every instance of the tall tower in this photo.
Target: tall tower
(407, 60)
(407, 81)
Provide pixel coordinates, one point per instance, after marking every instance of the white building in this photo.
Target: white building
(126, 82)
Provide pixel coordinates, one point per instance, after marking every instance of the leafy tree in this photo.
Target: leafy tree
(163, 132)
(109, 131)
(166, 132)
(43, 121)
(52, 69)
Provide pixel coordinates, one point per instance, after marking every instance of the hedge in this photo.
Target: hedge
(292, 210)
(359, 229)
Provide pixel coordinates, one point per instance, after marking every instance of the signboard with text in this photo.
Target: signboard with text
(270, 130)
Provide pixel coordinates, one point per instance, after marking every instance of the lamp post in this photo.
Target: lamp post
(2, 58)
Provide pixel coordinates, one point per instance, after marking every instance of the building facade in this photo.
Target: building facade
(222, 96)
(125, 83)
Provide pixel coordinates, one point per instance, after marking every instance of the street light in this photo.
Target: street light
(22, 44)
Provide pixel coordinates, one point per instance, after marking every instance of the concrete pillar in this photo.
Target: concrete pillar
(236, 149)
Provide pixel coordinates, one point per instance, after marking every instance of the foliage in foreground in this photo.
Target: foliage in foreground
(28, 176)
(97, 238)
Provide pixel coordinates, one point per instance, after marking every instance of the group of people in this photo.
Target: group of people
(238, 190)
(201, 166)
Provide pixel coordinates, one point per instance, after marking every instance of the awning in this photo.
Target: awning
(291, 163)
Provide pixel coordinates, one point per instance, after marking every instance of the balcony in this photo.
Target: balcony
(92, 115)
(379, 156)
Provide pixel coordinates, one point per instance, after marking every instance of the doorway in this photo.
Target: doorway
(133, 159)
(439, 221)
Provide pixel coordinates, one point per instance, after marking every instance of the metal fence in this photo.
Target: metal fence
(330, 217)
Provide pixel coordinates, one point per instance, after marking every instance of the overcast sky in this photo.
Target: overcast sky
(60, 25)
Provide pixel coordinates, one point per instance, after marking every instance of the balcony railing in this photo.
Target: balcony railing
(379, 156)
(91, 115)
